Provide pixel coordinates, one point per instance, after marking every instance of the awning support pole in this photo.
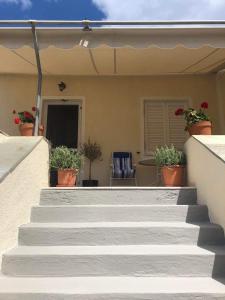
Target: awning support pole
(39, 83)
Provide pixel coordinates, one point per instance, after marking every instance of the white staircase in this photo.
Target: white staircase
(116, 244)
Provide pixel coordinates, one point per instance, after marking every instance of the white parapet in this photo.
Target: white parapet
(206, 171)
(24, 165)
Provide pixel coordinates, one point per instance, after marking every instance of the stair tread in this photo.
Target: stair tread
(117, 250)
(118, 205)
(121, 224)
(109, 188)
(108, 285)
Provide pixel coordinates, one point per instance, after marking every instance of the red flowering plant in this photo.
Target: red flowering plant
(193, 116)
(24, 116)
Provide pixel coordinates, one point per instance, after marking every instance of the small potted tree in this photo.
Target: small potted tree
(26, 120)
(198, 122)
(171, 161)
(91, 151)
(67, 162)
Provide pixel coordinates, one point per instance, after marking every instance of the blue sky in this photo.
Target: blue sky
(113, 9)
(46, 9)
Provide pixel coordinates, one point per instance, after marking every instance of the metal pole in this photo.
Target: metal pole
(97, 22)
(132, 23)
(39, 83)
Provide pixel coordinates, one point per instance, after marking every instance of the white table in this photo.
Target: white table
(147, 162)
(150, 162)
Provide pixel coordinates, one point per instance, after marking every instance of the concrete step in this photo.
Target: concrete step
(122, 196)
(119, 213)
(111, 288)
(132, 260)
(119, 233)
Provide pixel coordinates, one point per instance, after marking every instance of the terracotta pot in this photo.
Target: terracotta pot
(201, 128)
(26, 129)
(67, 177)
(173, 175)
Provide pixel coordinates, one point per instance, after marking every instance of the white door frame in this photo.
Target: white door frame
(67, 100)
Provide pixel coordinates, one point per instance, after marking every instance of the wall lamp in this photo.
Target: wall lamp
(62, 86)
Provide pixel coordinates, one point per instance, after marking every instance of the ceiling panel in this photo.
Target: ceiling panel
(76, 61)
(158, 61)
(12, 63)
(109, 61)
(27, 53)
(104, 60)
(216, 57)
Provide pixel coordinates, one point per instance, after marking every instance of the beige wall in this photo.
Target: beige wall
(206, 171)
(16, 198)
(112, 107)
(220, 80)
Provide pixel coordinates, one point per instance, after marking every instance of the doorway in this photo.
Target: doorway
(62, 123)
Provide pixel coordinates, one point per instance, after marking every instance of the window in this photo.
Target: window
(161, 126)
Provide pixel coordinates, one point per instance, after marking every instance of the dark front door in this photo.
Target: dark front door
(62, 125)
(62, 129)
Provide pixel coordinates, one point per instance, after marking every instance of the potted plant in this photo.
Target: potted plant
(92, 151)
(67, 162)
(197, 120)
(171, 161)
(26, 120)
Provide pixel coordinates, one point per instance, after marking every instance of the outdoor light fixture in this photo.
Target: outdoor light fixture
(86, 26)
(62, 86)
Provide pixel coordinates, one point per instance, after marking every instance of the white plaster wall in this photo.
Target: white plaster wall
(206, 171)
(19, 191)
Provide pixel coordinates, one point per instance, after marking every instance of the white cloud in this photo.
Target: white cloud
(161, 9)
(25, 4)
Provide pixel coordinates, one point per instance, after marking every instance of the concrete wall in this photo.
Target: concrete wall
(112, 108)
(20, 190)
(206, 171)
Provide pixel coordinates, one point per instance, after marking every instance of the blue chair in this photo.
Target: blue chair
(122, 167)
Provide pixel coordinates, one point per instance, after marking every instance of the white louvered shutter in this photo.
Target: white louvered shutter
(162, 126)
(176, 134)
(154, 119)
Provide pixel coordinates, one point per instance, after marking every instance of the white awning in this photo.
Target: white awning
(114, 51)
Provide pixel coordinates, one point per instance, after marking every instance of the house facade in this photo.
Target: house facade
(119, 87)
(122, 86)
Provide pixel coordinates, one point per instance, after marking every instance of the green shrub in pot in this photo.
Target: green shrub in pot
(172, 163)
(67, 161)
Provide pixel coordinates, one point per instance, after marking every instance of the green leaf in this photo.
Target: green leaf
(65, 158)
(169, 156)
